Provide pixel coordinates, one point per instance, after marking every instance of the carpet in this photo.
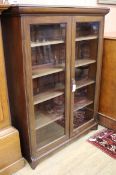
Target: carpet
(106, 141)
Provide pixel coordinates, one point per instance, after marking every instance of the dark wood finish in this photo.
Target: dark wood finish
(107, 105)
(58, 10)
(10, 152)
(15, 74)
(22, 74)
(3, 7)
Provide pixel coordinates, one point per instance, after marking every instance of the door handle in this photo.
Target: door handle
(73, 85)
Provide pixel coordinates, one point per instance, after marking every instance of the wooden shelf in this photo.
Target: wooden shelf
(83, 38)
(43, 118)
(82, 103)
(45, 43)
(44, 96)
(84, 62)
(83, 83)
(39, 72)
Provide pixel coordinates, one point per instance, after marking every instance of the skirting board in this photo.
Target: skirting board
(11, 159)
(13, 167)
(106, 121)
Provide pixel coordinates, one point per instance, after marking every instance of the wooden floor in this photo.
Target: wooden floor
(78, 158)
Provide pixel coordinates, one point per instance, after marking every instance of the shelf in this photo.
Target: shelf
(44, 118)
(36, 73)
(83, 83)
(84, 62)
(44, 96)
(82, 103)
(83, 38)
(45, 43)
(49, 134)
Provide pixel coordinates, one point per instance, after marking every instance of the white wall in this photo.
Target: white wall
(110, 21)
(56, 2)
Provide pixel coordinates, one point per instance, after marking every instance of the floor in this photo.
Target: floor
(78, 158)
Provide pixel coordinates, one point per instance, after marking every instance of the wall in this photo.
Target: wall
(110, 21)
(54, 2)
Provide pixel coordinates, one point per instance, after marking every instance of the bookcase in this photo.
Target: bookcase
(53, 59)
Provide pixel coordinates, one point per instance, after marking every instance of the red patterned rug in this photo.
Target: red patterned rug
(106, 141)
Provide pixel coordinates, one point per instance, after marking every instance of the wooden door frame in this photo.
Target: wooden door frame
(88, 18)
(26, 21)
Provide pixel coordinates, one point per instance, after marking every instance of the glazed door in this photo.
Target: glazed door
(48, 58)
(85, 72)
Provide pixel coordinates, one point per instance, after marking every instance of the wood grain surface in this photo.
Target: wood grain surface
(108, 85)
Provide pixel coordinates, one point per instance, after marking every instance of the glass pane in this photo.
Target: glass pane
(49, 32)
(85, 75)
(87, 28)
(83, 105)
(86, 51)
(47, 43)
(86, 48)
(83, 96)
(50, 120)
(82, 116)
(48, 52)
(48, 55)
(53, 82)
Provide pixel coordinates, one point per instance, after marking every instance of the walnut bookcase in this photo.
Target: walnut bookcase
(53, 58)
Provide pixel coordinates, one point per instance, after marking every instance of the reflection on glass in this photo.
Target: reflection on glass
(85, 75)
(50, 107)
(48, 44)
(83, 105)
(49, 133)
(51, 82)
(84, 96)
(48, 53)
(42, 33)
(86, 50)
(82, 116)
(50, 122)
(82, 73)
(80, 96)
(86, 46)
(87, 28)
